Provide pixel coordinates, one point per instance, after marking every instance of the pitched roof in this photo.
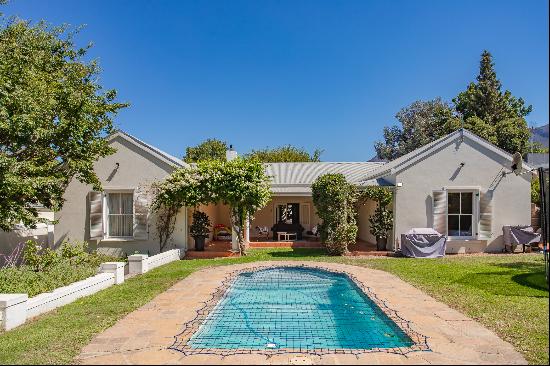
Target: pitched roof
(296, 178)
(167, 158)
(407, 160)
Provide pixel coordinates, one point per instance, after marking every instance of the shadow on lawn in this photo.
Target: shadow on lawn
(534, 278)
(298, 253)
(519, 279)
(535, 281)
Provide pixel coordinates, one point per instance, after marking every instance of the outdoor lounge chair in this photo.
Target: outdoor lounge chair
(313, 233)
(263, 232)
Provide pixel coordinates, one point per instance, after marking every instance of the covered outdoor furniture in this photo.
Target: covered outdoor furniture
(287, 228)
(523, 235)
(423, 243)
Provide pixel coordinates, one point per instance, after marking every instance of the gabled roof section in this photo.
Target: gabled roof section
(409, 159)
(163, 156)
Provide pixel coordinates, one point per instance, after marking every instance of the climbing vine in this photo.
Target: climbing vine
(240, 184)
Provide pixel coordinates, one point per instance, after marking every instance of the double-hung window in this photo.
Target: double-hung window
(460, 214)
(120, 214)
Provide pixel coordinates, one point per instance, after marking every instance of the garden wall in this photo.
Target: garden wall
(15, 309)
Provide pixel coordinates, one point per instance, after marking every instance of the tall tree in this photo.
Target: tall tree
(421, 122)
(493, 114)
(287, 153)
(485, 98)
(211, 149)
(54, 116)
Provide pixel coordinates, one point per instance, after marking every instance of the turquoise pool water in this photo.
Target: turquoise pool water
(296, 308)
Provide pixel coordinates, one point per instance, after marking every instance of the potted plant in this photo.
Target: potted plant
(381, 223)
(200, 229)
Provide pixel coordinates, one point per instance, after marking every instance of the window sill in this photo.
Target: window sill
(460, 240)
(118, 239)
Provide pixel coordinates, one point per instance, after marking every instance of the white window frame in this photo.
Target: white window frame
(106, 213)
(475, 212)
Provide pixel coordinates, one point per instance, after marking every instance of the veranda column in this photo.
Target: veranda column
(247, 231)
(234, 240)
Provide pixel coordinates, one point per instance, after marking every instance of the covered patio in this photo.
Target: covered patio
(290, 219)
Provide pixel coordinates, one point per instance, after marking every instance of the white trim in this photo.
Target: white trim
(105, 193)
(461, 188)
(290, 194)
(475, 211)
(150, 149)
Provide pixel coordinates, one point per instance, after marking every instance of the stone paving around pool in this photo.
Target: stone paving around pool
(143, 336)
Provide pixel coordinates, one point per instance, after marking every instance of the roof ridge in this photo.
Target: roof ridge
(155, 149)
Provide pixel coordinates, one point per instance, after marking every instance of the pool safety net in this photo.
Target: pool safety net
(290, 309)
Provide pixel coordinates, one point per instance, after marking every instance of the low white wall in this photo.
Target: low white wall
(164, 258)
(141, 263)
(65, 295)
(15, 309)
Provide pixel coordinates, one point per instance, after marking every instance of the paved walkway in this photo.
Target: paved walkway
(143, 337)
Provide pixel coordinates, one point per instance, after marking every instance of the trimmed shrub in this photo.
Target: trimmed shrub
(334, 198)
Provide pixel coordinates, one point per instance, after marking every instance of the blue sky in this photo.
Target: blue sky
(315, 74)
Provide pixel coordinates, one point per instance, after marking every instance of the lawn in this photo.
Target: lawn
(506, 293)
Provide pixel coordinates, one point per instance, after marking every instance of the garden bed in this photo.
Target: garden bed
(50, 270)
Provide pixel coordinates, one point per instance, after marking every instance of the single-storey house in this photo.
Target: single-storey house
(460, 185)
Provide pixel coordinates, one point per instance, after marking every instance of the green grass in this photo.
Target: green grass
(505, 293)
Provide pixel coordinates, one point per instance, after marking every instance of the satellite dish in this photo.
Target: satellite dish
(517, 163)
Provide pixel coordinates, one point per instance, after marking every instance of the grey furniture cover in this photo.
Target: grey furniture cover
(520, 234)
(423, 243)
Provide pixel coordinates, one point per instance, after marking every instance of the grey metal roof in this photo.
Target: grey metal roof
(296, 178)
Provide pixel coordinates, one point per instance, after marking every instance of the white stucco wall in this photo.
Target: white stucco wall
(363, 213)
(441, 170)
(136, 168)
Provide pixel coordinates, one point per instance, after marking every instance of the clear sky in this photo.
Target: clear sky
(326, 74)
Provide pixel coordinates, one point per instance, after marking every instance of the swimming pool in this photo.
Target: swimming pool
(297, 309)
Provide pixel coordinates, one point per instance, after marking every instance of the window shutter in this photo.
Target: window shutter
(304, 215)
(439, 211)
(485, 230)
(141, 215)
(95, 200)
